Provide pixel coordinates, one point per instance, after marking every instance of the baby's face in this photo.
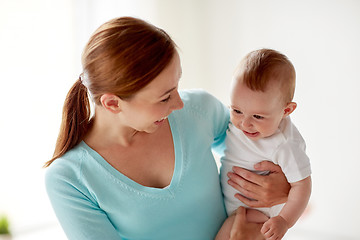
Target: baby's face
(258, 114)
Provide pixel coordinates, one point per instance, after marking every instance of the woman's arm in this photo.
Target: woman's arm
(265, 191)
(79, 216)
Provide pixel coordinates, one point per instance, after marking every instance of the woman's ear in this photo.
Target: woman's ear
(111, 102)
(290, 107)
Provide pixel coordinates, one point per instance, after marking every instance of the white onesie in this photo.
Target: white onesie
(286, 148)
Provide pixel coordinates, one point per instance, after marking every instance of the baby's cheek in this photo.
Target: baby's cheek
(268, 129)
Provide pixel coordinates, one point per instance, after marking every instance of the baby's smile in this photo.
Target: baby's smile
(251, 135)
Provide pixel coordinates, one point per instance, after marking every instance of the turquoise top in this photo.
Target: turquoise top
(92, 200)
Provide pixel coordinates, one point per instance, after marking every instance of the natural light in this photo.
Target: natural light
(41, 43)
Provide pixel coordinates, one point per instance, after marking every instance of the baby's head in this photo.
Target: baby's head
(262, 92)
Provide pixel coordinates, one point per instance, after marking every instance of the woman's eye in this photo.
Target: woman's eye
(166, 99)
(258, 117)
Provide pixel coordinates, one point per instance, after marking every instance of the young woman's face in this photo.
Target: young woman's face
(150, 107)
(258, 114)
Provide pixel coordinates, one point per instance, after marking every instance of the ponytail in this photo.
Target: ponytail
(122, 57)
(75, 120)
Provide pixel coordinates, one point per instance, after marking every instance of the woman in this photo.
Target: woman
(141, 167)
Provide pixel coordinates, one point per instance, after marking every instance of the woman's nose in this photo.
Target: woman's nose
(177, 103)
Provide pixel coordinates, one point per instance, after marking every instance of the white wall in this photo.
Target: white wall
(36, 47)
(41, 43)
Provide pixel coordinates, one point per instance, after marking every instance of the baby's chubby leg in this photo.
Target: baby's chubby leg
(256, 216)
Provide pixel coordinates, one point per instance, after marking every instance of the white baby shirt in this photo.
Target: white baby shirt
(286, 148)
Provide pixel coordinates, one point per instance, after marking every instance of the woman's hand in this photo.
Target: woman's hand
(242, 229)
(260, 191)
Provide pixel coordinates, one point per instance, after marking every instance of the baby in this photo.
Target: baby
(260, 129)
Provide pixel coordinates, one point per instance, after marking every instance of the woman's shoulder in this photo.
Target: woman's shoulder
(200, 101)
(68, 166)
(203, 115)
(197, 95)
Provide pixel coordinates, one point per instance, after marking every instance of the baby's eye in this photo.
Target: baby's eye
(237, 111)
(166, 99)
(258, 117)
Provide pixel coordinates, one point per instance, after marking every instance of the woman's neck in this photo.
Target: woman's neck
(104, 133)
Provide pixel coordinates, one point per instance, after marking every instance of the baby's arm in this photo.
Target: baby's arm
(276, 227)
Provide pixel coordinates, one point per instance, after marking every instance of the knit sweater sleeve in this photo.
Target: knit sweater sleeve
(79, 215)
(216, 115)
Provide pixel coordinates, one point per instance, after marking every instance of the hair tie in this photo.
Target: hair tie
(84, 81)
(81, 78)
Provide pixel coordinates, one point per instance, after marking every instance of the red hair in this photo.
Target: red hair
(122, 57)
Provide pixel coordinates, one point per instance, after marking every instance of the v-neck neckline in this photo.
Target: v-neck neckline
(123, 179)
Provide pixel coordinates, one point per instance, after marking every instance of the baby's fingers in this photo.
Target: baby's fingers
(267, 231)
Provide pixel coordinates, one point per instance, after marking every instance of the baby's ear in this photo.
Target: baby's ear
(290, 107)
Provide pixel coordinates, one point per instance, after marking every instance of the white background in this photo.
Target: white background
(40, 48)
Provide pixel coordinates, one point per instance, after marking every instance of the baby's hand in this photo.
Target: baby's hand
(274, 228)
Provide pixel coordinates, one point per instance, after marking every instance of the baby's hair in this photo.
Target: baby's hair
(260, 67)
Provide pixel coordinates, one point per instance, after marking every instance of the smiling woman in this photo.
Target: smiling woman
(132, 155)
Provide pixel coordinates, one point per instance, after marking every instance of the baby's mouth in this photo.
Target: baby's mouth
(254, 134)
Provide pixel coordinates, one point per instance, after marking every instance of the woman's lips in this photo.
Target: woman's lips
(160, 121)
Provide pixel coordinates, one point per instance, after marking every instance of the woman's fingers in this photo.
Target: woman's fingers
(245, 182)
(249, 202)
(247, 197)
(267, 166)
(247, 175)
(240, 217)
(244, 230)
(259, 190)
